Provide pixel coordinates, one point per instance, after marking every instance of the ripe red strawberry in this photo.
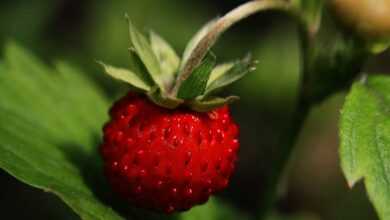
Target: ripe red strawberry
(172, 147)
(168, 160)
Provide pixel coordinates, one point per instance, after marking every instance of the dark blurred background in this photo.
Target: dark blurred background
(82, 31)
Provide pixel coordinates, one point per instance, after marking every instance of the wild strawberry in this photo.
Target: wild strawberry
(371, 19)
(165, 159)
(170, 149)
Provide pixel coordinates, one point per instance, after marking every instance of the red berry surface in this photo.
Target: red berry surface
(167, 160)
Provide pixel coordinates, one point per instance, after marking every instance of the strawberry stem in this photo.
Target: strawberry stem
(281, 160)
(241, 12)
(289, 136)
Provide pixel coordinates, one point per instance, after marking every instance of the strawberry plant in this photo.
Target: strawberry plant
(168, 145)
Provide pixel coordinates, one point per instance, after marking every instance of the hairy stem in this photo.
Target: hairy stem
(224, 23)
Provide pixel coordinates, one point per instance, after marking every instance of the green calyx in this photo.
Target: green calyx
(155, 68)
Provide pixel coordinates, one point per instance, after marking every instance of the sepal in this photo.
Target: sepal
(230, 75)
(138, 67)
(155, 69)
(195, 84)
(219, 70)
(211, 103)
(145, 52)
(167, 57)
(125, 75)
(195, 40)
(161, 99)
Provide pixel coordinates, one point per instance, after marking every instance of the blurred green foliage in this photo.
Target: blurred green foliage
(84, 31)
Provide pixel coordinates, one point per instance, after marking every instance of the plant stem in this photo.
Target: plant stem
(291, 133)
(279, 164)
(241, 12)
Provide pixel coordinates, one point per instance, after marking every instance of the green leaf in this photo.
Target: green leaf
(298, 216)
(169, 61)
(208, 104)
(239, 70)
(214, 209)
(126, 76)
(195, 40)
(378, 46)
(365, 139)
(50, 119)
(196, 83)
(146, 54)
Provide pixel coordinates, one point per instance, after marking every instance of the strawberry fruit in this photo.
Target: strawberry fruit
(168, 150)
(168, 159)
